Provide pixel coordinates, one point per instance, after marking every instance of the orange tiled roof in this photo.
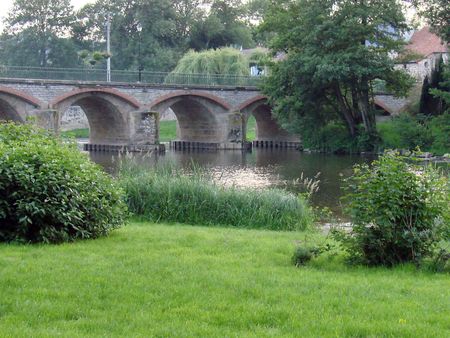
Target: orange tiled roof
(424, 42)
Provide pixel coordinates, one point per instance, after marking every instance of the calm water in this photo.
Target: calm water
(263, 168)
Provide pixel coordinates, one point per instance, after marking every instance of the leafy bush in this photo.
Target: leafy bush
(332, 137)
(302, 256)
(440, 130)
(50, 192)
(404, 132)
(169, 195)
(400, 211)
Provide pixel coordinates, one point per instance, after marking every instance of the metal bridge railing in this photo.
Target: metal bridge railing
(154, 78)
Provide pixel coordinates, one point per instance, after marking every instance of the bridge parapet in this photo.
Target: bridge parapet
(129, 77)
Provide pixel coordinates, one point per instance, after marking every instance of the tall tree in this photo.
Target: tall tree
(225, 25)
(437, 14)
(334, 50)
(41, 24)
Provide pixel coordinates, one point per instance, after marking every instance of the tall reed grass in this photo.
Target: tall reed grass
(169, 195)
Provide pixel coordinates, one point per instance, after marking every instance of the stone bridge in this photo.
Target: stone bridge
(127, 115)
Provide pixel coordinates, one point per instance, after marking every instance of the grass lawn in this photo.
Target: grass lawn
(182, 281)
(76, 133)
(167, 131)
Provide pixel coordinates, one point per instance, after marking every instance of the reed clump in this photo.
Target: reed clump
(165, 194)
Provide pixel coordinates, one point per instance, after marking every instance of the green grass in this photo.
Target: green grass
(168, 195)
(76, 133)
(251, 128)
(168, 130)
(148, 280)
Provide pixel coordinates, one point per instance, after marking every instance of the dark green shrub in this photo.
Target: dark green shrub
(404, 132)
(399, 211)
(50, 192)
(440, 261)
(302, 256)
(332, 137)
(440, 130)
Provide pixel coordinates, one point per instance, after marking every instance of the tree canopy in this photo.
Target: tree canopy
(334, 49)
(437, 14)
(37, 28)
(150, 34)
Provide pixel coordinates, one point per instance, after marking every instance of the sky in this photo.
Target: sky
(6, 5)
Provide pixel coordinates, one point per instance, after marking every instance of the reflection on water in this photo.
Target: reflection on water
(262, 168)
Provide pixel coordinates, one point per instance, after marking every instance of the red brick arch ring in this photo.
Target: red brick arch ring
(22, 96)
(254, 100)
(108, 91)
(183, 93)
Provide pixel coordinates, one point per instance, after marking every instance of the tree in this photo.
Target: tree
(214, 61)
(224, 26)
(334, 50)
(437, 14)
(39, 28)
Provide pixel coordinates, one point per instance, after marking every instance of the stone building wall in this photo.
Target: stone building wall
(74, 118)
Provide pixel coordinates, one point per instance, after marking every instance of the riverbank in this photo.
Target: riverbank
(171, 280)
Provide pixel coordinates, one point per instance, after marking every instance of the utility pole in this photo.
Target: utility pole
(108, 48)
(140, 68)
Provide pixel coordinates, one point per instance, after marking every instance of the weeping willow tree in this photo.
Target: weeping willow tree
(225, 66)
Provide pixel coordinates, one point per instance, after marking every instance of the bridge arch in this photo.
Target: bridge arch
(16, 105)
(379, 103)
(202, 117)
(267, 128)
(109, 113)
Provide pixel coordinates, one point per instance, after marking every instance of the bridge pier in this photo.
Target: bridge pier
(49, 119)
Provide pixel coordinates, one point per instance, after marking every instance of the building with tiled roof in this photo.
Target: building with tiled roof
(425, 43)
(425, 50)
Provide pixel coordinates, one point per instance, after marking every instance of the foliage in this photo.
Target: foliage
(435, 97)
(442, 90)
(440, 131)
(441, 261)
(149, 35)
(167, 195)
(223, 26)
(334, 51)
(214, 61)
(333, 138)
(409, 132)
(209, 63)
(437, 13)
(42, 24)
(404, 132)
(399, 212)
(303, 254)
(49, 192)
